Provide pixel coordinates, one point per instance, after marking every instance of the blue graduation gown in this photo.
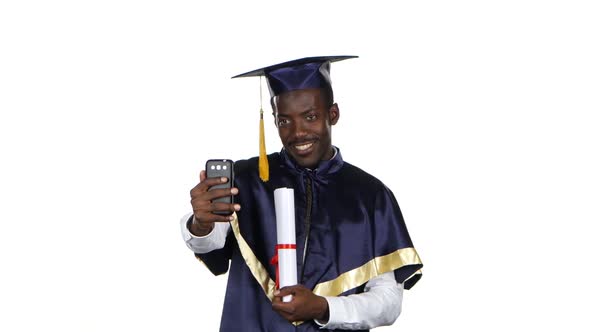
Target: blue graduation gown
(356, 232)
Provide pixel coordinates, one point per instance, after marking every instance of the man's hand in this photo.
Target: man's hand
(305, 305)
(201, 199)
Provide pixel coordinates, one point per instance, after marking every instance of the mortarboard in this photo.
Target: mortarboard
(304, 73)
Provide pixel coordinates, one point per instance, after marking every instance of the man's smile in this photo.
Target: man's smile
(303, 149)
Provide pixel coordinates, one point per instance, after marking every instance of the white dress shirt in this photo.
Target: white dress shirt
(379, 305)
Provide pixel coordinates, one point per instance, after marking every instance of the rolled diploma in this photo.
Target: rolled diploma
(285, 214)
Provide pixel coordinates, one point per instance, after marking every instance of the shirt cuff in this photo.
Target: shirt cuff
(337, 312)
(204, 244)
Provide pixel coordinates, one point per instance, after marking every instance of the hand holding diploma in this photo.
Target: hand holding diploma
(305, 305)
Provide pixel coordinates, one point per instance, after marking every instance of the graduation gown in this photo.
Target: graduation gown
(348, 223)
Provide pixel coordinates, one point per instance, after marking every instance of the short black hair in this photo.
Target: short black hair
(327, 97)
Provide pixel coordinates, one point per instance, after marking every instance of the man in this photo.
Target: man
(354, 254)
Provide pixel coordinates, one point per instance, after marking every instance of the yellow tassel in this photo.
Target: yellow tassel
(263, 171)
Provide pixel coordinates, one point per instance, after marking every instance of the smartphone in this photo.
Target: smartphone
(221, 167)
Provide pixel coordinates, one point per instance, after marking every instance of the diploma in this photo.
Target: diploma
(285, 248)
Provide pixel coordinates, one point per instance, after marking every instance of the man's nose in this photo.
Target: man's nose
(299, 129)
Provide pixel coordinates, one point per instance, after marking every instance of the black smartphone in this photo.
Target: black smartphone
(221, 167)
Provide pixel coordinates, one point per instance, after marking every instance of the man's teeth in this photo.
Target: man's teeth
(303, 147)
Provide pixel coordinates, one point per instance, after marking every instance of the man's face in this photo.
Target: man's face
(304, 122)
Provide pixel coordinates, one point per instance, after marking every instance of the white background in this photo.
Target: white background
(472, 112)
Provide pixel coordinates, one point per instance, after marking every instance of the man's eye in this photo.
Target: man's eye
(311, 117)
(282, 122)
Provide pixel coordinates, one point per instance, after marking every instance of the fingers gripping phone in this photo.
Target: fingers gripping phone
(221, 167)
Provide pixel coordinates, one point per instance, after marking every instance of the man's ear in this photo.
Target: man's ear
(334, 114)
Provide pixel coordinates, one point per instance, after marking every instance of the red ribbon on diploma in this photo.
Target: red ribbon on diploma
(275, 260)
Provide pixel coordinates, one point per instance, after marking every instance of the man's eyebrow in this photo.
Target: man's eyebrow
(307, 111)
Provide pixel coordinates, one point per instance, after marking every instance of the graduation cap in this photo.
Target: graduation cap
(304, 73)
